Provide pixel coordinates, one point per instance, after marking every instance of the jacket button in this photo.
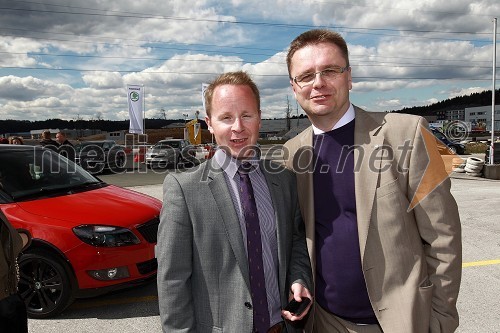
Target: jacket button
(248, 305)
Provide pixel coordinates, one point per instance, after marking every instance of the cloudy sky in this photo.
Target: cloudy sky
(72, 59)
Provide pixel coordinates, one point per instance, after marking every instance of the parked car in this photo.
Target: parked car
(447, 146)
(89, 237)
(96, 156)
(167, 152)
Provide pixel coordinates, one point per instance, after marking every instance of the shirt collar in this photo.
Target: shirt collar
(229, 164)
(346, 118)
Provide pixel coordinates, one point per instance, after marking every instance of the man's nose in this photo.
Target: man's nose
(237, 125)
(319, 81)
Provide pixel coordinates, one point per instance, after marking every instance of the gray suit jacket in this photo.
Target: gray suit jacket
(411, 259)
(203, 279)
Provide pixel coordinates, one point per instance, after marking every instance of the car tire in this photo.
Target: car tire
(119, 164)
(473, 169)
(45, 284)
(475, 161)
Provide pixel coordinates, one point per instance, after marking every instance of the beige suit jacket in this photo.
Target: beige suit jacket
(411, 259)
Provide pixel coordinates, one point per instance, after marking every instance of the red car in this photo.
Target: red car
(89, 237)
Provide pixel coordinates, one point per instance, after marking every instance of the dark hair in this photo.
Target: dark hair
(14, 138)
(46, 134)
(231, 78)
(313, 37)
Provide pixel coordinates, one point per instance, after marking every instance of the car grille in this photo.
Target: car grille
(149, 230)
(147, 267)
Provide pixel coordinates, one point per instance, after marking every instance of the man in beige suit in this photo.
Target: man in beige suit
(383, 231)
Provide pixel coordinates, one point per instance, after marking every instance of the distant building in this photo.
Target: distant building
(455, 115)
(35, 134)
(276, 128)
(175, 125)
(441, 115)
(123, 137)
(480, 118)
(117, 136)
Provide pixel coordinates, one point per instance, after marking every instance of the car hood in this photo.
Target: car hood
(110, 205)
(161, 150)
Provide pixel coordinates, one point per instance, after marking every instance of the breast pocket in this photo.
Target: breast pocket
(388, 188)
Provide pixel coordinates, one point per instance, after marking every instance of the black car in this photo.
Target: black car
(96, 156)
(447, 144)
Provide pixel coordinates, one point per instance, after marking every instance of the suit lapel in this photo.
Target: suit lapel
(218, 186)
(303, 164)
(367, 164)
(275, 190)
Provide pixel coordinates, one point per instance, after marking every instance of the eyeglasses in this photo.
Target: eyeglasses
(306, 79)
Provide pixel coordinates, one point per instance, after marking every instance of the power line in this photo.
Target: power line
(405, 78)
(141, 41)
(122, 14)
(381, 63)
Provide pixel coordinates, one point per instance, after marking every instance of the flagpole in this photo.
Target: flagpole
(144, 109)
(492, 146)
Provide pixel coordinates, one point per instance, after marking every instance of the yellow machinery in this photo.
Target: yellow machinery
(192, 132)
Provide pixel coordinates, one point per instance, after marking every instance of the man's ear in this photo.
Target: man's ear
(209, 124)
(293, 89)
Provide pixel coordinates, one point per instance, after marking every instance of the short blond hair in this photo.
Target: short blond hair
(231, 78)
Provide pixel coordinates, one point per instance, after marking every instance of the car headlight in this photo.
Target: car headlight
(105, 236)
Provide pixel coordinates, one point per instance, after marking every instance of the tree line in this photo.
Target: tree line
(21, 126)
(456, 103)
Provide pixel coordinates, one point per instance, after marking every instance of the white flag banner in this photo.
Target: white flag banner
(196, 130)
(204, 87)
(135, 96)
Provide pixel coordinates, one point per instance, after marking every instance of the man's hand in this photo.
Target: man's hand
(298, 291)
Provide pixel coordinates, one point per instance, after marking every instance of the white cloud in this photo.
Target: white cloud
(466, 91)
(103, 80)
(85, 61)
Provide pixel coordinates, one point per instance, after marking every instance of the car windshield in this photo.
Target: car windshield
(25, 173)
(439, 135)
(166, 145)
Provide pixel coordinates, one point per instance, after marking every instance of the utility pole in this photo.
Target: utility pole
(288, 110)
(297, 110)
(163, 114)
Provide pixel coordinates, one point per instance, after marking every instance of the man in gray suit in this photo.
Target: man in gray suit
(206, 278)
(382, 227)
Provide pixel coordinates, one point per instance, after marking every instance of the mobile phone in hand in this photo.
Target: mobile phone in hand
(296, 308)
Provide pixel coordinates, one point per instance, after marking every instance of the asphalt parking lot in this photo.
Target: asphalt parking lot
(136, 310)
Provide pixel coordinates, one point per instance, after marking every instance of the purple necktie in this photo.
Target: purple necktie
(261, 321)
